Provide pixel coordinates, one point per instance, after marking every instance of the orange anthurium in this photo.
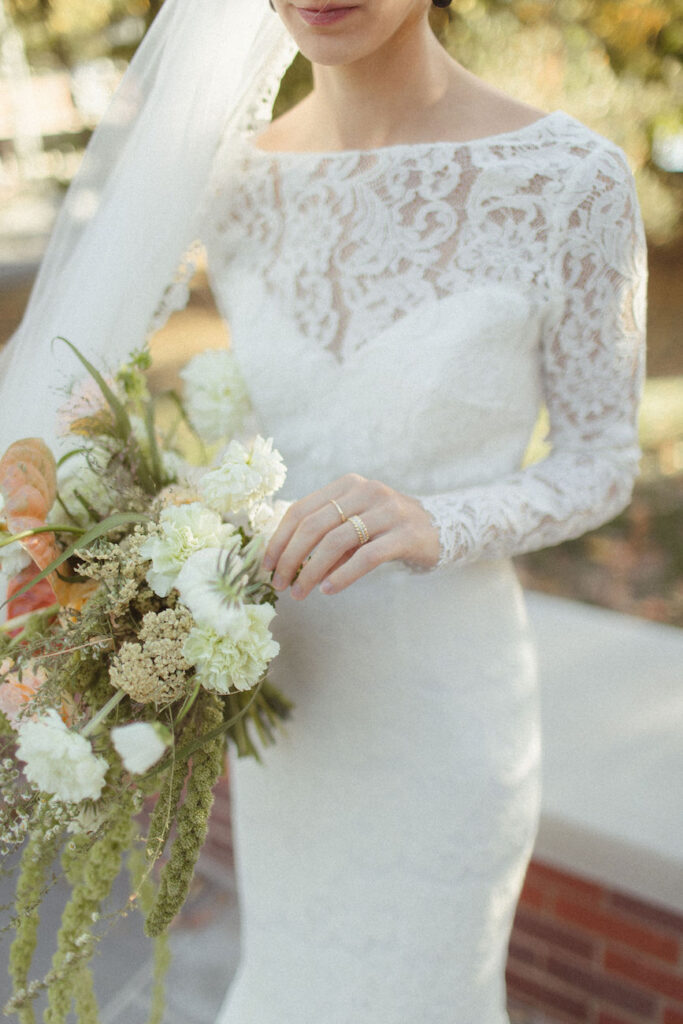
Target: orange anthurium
(40, 596)
(28, 484)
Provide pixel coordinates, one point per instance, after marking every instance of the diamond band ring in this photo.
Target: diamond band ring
(361, 530)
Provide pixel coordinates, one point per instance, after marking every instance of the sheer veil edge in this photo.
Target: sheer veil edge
(207, 69)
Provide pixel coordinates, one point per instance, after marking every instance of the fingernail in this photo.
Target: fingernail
(296, 592)
(279, 582)
(326, 587)
(269, 563)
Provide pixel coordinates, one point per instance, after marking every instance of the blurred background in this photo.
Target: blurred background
(613, 64)
(616, 66)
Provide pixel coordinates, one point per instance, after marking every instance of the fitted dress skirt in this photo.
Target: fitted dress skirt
(382, 844)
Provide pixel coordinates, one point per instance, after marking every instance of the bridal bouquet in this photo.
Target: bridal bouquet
(137, 643)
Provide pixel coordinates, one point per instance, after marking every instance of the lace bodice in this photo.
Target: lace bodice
(403, 312)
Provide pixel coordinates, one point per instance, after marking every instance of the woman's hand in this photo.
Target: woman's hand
(329, 551)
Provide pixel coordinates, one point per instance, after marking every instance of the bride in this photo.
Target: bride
(411, 263)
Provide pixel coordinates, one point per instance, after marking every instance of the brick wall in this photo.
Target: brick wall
(580, 953)
(588, 954)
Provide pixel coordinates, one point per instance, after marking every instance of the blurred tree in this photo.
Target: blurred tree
(73, 30)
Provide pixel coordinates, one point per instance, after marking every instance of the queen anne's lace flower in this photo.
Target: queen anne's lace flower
(215, 395)
(238, 660)
(155, 671)
(139, 744)
(183, 529)
(59, 761)
(245, 477)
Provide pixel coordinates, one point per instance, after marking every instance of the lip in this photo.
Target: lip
(323, 15)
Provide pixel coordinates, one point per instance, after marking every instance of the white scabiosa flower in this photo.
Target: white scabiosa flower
(208, 585)
(183, 529)
(60, 761)
(245, 477)
(140, 744)
(215, 395)
(238, 660)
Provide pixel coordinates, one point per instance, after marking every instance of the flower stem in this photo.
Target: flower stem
(188, 704)
(103, 712)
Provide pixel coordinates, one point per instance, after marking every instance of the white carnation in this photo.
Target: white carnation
(206, 587)
(215, 395)
(140, 744)
(60, 761)
(265, 517)
(238, 660)
(245, 477)
(183, 529)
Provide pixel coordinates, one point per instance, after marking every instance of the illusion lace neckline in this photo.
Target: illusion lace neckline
(401, 147)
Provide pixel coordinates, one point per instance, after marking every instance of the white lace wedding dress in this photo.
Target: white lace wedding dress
(402, 313)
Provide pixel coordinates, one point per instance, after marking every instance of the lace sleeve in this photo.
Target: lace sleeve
(592, 363)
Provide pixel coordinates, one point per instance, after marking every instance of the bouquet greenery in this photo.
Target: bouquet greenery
(137, 644)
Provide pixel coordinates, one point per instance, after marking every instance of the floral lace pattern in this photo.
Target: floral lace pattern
(349, 244)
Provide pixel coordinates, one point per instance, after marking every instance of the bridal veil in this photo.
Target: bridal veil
(203, 71)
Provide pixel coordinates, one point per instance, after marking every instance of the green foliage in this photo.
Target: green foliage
(74, 30)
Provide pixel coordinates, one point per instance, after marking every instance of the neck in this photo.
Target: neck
(385, 97)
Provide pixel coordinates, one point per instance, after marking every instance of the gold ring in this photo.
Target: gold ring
(361, 530)
(339, 509)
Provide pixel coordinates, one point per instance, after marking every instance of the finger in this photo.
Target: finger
(384, 548)
(339, 490)
(340, 543)
(302, 542)
(342, 561)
